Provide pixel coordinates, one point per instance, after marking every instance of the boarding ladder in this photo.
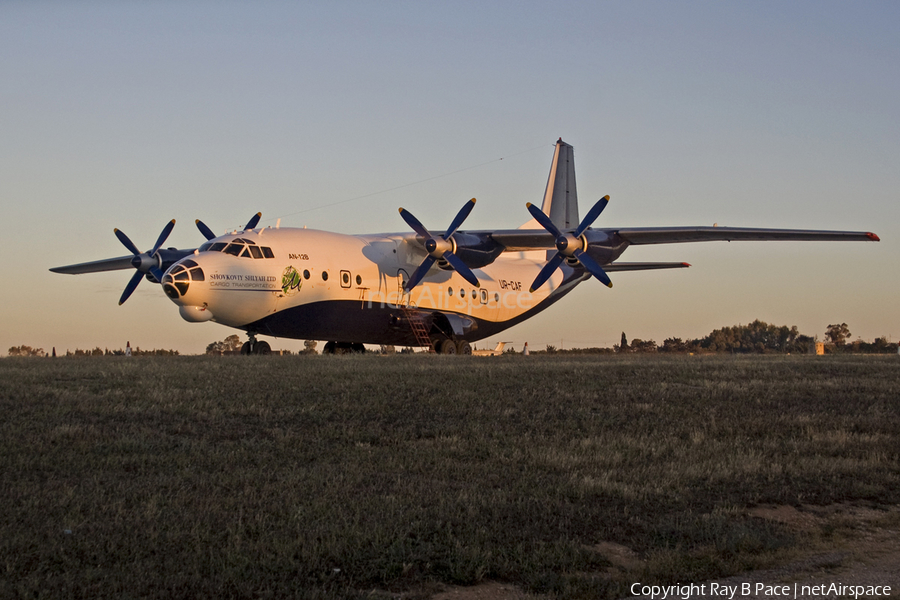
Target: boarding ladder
(416, 324)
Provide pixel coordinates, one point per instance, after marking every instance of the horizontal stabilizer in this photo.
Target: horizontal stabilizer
(643, 266)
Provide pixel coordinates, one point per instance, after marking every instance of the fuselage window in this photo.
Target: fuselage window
(496, 297)
(474, 294)
(305, 274)
(267, 252)
(358, 280)
(324, 275)
(449, 291)
(345, 277)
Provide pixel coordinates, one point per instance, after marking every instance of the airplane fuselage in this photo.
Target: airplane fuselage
(309, 284)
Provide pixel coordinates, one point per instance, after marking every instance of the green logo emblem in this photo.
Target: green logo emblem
(291, 281)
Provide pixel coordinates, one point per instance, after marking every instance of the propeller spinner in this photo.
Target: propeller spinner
(144, 262)
(570, 245)
(440, 247)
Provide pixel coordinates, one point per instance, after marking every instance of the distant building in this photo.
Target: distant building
(817, 348)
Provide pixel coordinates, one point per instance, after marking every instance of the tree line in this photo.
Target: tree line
(757, 337)
(136, 351)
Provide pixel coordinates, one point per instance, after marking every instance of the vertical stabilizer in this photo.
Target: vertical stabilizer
(560, 196)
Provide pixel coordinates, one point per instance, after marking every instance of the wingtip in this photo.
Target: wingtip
(684, 264)
(528, 205)
(609, 285)
(873, 237)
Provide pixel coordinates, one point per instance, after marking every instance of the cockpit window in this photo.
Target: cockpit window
(241, 247)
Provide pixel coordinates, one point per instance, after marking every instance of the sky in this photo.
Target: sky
(332, 115)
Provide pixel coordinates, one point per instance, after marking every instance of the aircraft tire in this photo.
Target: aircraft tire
(329, 348)
(357, 349)
(448, 347)
(262, 348)
(246, 348)
(463, 347)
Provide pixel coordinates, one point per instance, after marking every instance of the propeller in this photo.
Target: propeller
(441, 247)
(208, 233)
(144, 262)
(570, 245)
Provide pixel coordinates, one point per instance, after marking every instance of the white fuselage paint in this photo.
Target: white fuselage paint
(368, 269)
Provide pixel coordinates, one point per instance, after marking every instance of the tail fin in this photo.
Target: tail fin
(560, 195)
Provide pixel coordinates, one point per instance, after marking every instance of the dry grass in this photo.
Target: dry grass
(331, 477)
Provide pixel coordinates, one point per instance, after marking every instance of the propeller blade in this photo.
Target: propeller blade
(592, 267)
(126, 242)
(162, 236)
(206, 231)
(253, 221)
(132, 284)
(419, 273)
(543, 219)
(415, 224)
(460, 217)
(547, 271)
(460, 267)
(592, 215)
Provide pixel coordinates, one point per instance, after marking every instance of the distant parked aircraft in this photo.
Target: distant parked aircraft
(495, 352)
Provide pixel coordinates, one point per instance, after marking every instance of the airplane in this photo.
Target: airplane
(440, 291)
(497, 351)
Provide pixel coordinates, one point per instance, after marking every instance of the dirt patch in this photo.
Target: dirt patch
(845, 544)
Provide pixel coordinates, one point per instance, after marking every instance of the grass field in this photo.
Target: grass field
(363, 476)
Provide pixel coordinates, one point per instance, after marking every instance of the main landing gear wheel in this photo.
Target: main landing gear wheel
(447, 347)
(261, 348)
(463, 347)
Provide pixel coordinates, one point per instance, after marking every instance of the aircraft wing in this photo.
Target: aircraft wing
(167, 256)
(522, 240)
(674, 235)
(96, 266)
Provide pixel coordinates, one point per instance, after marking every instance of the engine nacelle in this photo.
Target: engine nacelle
(604, 246)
